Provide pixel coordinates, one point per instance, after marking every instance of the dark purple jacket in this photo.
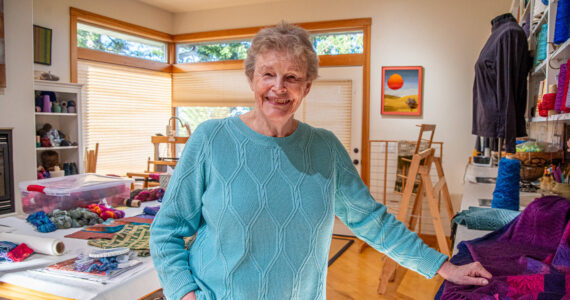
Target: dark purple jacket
(499, 91)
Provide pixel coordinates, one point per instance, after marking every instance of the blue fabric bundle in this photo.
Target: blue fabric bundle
(41, 221)
(541, 45)
(484, 218)
(151, 210)
(506, 194)
(562, 29)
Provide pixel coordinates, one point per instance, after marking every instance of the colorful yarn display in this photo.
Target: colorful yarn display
(41, 221)
(562, 27)
(105, 212)
(560, 92)
(547, 103)
(506, 194)
(564, 94)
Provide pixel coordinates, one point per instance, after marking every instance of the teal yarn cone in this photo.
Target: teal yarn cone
(506, 194)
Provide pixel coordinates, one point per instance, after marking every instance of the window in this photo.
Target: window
(195, 115)
(338, 43)
(122, 108)
(216, 51)
(324, 44)
(110, 41)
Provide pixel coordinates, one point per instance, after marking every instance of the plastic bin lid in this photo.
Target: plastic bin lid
(64, 186)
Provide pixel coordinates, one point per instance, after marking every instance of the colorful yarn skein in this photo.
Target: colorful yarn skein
(5, 248)
(106, 212)
(77, 217)
(148, 195)
(506, 194)
(41, 221)
(151, 210)
(20, 253)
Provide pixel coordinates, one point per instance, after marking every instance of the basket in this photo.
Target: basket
(532, 169)
(547, 156)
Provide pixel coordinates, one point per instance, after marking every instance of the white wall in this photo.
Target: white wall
(443, 36)
(17, 99)
(54, 14)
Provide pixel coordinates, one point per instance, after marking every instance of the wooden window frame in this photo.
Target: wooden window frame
(82, 16)
(359, 59)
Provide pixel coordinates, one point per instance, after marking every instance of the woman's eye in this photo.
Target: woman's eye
(267, 75)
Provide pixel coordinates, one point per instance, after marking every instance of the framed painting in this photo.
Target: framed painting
(42, 45)
(402, 90)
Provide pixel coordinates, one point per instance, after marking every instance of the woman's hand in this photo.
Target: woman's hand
(189, 296)
(470, 274)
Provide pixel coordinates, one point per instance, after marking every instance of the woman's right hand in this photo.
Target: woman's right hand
(189, 296)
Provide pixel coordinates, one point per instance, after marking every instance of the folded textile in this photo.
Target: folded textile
(482, 218)
(5, 248)
(133, 236)
(528, 258)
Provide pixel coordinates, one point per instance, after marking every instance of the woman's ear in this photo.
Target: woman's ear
(307, 88)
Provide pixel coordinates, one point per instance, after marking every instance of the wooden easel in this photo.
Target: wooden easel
(425, 185)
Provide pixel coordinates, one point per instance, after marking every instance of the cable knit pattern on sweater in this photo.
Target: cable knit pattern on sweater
(263, 209)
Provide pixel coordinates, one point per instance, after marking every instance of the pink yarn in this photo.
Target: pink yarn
(525, 285)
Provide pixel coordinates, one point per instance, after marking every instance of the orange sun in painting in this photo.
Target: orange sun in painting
(395, 81)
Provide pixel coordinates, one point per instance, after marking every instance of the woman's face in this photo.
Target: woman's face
(280, 84)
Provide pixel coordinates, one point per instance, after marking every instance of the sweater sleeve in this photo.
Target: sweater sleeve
(179, 216)
(371, 222)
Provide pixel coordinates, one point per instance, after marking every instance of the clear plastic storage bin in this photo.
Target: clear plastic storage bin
(73, 191)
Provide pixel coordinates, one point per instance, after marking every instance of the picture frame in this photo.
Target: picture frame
(402, 90)
(42, 45)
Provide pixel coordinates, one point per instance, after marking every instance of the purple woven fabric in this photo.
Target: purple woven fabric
(531, 252)
(560, 97)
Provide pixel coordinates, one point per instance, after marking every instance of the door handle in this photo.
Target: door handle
(355, 161)
(355, 150)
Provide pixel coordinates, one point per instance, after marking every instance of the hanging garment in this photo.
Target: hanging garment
(499, 90)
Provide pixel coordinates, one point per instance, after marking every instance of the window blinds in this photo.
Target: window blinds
(329, 105)
(211, 88)
(122, 108)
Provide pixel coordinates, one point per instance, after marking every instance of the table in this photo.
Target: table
(131, 285)
(472, 192)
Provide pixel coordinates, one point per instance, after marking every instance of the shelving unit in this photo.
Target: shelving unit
(548, 69)
(68, 123)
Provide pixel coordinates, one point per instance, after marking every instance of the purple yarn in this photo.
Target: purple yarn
(151, 210)
(560, 91)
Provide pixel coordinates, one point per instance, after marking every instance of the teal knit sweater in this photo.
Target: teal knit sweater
(263, 209)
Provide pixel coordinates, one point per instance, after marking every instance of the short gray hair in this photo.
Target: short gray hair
(284, 37)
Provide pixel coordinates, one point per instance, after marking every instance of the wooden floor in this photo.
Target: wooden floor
(354, 275)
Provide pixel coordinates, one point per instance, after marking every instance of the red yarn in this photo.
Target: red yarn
(20, 252)
(547, 103)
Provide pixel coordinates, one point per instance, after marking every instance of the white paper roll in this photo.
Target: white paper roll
(42, 245)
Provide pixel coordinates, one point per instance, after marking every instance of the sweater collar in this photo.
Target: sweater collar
(502, 19)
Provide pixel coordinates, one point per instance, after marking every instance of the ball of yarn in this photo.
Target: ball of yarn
(41, 221)
(506, 194)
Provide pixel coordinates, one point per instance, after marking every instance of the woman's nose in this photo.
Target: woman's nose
(279, 85)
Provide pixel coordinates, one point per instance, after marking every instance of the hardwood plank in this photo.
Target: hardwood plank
(354, 275)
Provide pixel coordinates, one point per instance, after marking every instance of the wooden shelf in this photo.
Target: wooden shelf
(558, 117)
(56, 114)
(57, 148)
(540, 69)
(534, 30)
(563, 52)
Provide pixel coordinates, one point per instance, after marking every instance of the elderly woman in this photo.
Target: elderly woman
(261, 191)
